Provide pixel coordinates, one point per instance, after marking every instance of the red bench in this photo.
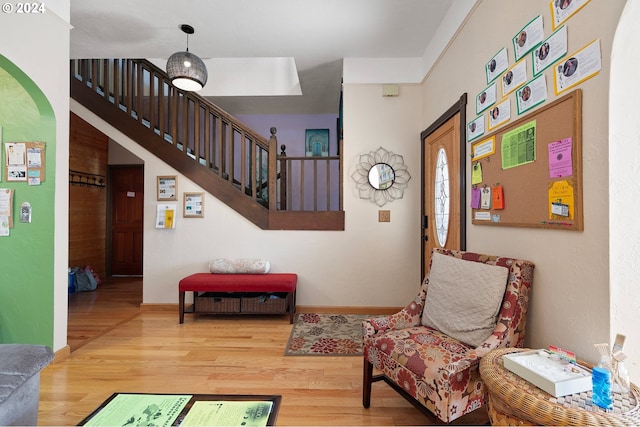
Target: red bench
(246, 288)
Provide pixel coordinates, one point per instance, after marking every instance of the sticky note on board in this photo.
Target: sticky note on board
(497, 197)
(475, 198)
(476, 173)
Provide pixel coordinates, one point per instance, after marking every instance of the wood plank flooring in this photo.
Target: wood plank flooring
(117, 348)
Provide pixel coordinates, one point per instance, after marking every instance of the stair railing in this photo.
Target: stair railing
(191, 124)
(190, 131)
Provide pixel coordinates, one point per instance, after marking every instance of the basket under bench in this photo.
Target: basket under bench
(273, 293)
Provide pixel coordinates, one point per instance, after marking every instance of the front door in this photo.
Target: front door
(443, 184)
(127, 208)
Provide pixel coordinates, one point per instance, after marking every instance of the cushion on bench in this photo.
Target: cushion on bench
(239, 266)
(274, 282)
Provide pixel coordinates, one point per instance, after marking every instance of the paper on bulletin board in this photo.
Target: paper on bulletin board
(476, 173)
(560, 158)
(166, 215)
(561, 200)
(519, 146)
(6, 208)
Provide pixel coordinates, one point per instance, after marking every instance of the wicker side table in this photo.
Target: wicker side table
(513, 400)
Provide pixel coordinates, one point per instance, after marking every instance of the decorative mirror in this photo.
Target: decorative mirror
(381, 176)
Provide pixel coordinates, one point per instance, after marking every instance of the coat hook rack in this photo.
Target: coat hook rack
(87, 179)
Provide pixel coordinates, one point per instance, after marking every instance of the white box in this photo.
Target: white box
(556, 377)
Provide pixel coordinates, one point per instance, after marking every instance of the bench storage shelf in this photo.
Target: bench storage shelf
(239, 294)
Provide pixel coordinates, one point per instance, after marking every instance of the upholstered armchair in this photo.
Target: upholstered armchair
(432, 358)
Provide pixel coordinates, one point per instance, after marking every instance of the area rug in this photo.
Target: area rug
(326, 335)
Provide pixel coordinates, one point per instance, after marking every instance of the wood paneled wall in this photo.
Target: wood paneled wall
(88, 152)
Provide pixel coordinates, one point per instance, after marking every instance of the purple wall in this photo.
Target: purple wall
(291, 129)
(291, 132)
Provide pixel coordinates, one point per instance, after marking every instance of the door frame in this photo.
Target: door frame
(459, 107)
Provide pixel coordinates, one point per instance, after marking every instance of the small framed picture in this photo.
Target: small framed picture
(193, 205)
(167, 188)
(317, 142)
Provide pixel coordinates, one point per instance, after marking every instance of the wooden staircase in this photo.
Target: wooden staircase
(209, 146)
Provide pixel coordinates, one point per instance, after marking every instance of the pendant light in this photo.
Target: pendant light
(186, 70)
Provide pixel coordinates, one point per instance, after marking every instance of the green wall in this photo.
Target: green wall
(27, 255)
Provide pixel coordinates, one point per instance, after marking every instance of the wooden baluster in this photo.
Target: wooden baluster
(196, 129)
(173, 99)
(283, 177)
(94, 75)
(254, 161)
(243, 165)
(152, 100)
(207, 137)
(184, 141)
(116, 80)
(272, 174)
(162, 118)
(129, 77)
(138, 76)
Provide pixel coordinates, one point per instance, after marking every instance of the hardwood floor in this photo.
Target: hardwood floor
(117, 348)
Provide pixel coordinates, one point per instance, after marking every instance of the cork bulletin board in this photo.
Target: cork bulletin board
(529, 173)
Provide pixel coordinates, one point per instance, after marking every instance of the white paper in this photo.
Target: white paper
(550, 51)
(486, 98)
(499, 114)
(579, 67)
(497, 65)
(528, 38)
(532, 94)
(475, 128)
(514, 78)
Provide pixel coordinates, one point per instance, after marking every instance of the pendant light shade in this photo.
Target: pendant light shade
(186, 70)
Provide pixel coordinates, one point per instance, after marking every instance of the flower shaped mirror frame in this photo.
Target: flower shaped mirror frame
(381, 176)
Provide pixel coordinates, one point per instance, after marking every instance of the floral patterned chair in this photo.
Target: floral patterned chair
(429, 367)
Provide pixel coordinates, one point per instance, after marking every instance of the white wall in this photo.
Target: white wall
(569, 304)
(624, 172)
(369, 264)
(39, 45)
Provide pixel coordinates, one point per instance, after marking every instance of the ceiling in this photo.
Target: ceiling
(248, 42)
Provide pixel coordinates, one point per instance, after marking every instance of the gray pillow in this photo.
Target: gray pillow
(464, 298)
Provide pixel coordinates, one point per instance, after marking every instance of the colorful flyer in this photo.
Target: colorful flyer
(228, 413)
(475, 198)
(560, 158)
(561, 200)
(140, 410)
(580, 66)
(519, 146)
(476, 173)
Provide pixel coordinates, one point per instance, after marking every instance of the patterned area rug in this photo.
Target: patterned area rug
(326, 335)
